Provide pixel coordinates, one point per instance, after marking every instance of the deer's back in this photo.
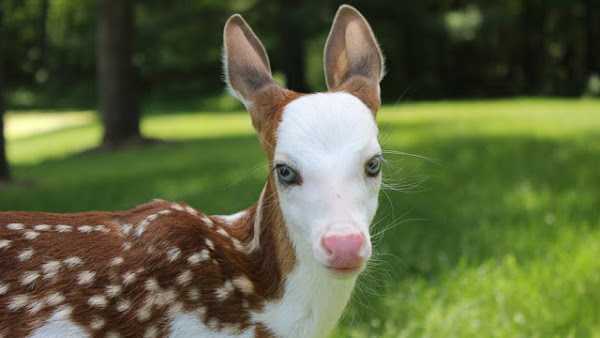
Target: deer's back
(131, 273)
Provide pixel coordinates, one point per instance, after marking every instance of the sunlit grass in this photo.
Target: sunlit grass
(497, 236)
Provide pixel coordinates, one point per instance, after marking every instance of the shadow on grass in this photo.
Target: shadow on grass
(489, 196)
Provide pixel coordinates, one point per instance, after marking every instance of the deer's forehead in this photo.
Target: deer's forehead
(326, 124)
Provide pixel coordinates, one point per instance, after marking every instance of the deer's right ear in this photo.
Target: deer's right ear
(247, 69)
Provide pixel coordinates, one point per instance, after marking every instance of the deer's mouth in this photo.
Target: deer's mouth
(345, 271)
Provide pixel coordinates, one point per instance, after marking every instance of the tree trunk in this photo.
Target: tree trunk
(592, 30)
(533, 18)
(4, 169)
(293, 41)
(118, 93)
(43, 35)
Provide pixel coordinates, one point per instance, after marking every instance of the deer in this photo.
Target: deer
(284, 267)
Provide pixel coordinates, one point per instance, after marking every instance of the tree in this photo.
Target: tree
(592, 29)
(43, 35)
(4, 169)
(293, 41)
(118, 92)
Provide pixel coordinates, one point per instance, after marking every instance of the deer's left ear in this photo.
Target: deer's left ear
(353, 60)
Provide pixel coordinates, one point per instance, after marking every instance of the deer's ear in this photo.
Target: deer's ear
(247, 70)
(353, 60)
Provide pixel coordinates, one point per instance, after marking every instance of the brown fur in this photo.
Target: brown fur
(184, 229)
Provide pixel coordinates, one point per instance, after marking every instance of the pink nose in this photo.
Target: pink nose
(344, 250)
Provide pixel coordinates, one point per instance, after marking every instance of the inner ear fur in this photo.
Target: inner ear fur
(353, 61)
(248, 72)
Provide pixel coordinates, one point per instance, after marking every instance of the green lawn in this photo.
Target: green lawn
(495, 232)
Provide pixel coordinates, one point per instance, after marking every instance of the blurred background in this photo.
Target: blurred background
(489, 220)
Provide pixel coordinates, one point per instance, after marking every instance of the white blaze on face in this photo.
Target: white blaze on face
(328, 138)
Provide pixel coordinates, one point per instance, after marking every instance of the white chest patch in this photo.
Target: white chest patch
(186, 325)
(59, 326)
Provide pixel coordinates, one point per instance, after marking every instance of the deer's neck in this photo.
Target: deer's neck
(309, 299)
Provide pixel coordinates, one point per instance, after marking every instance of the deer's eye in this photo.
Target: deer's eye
(373, 166)
(287, 175)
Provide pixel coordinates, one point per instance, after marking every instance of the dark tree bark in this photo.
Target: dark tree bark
(43, 34)
(293, 44)
(4, 168)
(118, 93)
(592, 29)
(533, 18)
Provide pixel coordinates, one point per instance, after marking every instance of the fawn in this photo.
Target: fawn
(284, 267)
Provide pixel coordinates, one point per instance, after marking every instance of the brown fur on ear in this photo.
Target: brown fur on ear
(353, 60)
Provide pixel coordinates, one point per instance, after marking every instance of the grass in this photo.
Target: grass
(496, 233)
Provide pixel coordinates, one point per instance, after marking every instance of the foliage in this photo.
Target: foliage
(495, 234)
(434, 49)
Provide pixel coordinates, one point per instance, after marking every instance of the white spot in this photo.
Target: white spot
(55, 298)
(112, 334)
(213, 323)
(42, 227)
(86, 277)
(177, 207)
(165, 212)
(223, 232)
(31, 235)
(64, 228)
(151, 332)
(185, 277)
(4, 288)
(129, 277)
(238, 245)
(29, 277)
(17, 302)
(113, 290)
(97, 323)
(243, 284)
(223, 292)
(191, 210)
(101, 228)
(173, 254)
(126, 246)
(15, 226)
(4, 244)
(126, 229)
(152, 285)
(98, 301)
(193, 294)
(73, 262)
(36, 306)
(165, 297)
(207, 221)
(116, 261)
(231, 219)
(141, 228)
(144, 312)
(123, 305)
(175, 308)
(50, 269)
(199, 257)
(210, 244)
(26, 254)
(85, 229)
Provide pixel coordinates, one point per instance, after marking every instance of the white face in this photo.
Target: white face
(327, 143)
